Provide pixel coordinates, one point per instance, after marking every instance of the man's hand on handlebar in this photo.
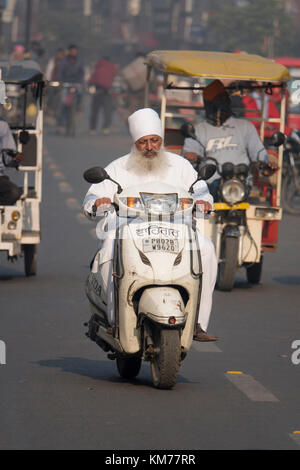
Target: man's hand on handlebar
(102, 201)
(18, 157)
(101, 204)
(191, 156)
(204, 206)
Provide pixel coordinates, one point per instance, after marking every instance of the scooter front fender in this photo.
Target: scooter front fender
(163, 305)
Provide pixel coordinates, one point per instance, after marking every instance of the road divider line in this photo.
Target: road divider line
(81, 218)
(65, 187)
(58, 175)
(254, 390)
(53, 166)
(71, 202)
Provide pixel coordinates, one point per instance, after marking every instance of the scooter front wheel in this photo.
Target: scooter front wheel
(165, 364)
(128, 367)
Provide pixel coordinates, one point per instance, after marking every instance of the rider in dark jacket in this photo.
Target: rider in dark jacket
(71, 70)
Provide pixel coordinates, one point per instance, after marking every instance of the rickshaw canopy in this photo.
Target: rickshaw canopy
(20, 72)
(226, 65)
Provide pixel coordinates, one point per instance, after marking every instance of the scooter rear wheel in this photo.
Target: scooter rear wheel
(165, 364)
(128, 367)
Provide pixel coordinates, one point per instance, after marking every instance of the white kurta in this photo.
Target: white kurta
(179, 173)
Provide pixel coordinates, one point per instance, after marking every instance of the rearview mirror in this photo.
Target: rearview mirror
(188, 130)
(206, 172)
(95, 175)
(278, 139)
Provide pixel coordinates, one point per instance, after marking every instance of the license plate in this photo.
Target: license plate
(160, 244)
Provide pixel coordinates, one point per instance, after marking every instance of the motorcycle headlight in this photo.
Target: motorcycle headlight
(160, 203)
(233, 191)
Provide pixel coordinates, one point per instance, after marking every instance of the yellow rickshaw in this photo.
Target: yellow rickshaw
(244, 225)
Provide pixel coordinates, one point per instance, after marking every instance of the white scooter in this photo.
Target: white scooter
(157, 279)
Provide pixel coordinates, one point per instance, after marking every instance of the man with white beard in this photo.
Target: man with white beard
(148, 161)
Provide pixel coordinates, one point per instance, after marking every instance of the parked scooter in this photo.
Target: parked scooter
(157, 279)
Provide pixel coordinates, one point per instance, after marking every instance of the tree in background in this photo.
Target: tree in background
(259, 27)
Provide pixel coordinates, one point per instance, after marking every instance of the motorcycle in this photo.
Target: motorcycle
(157, 279)
(291, 174)
(231, 228)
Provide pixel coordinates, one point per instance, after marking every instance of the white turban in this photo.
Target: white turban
(144, 122)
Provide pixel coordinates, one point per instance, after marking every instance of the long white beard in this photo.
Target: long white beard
(150, 166)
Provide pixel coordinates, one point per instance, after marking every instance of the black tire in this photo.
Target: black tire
(254, 272)
(165, 364)
(128, 367)
(30, 259)
(228, 265)
(290, 195)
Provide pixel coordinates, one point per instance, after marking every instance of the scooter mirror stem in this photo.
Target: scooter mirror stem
(120, 189)
(97, 175)
(191, 190)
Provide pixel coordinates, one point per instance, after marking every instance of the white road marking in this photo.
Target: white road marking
(254, 390)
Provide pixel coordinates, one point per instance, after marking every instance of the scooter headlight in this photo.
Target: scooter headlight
(132, 202)
(160, 203)
(186, 203)
(233, 191)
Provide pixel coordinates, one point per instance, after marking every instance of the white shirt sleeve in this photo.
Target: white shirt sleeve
(189, 176)
(97, 191)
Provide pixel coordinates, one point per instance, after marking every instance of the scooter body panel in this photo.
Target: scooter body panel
(161, 271)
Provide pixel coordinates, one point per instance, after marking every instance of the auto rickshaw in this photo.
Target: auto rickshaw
(20, 231)
(243, 226)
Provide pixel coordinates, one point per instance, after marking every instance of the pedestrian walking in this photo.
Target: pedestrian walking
(102, 78)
